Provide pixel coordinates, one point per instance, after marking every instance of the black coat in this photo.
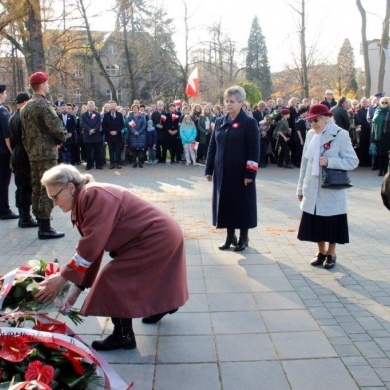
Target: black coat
(232, 156)
(70, 127)
(110, 124)
(91, 121)
(341, 117)
(19, 155)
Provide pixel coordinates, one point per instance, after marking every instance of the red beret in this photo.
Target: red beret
(38, 78)
(285, 111)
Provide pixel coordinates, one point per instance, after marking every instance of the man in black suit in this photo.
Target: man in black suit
(92, 136)
(112, 126)
(340, 113)
(69, 121)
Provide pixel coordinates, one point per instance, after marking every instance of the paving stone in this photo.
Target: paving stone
(365, 376)
(289, 321)
(242, 322)
(278, 301)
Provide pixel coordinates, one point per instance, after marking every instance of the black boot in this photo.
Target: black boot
(157, 317)
(243, 241)
(26, 220)
(231, 238)
(46, 232)
(135, 163)
(121, 337)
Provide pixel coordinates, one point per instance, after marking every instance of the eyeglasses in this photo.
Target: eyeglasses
(384, 102)
(54, 197)
(315, 120)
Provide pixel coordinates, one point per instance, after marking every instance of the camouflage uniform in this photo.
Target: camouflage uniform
(42, 132)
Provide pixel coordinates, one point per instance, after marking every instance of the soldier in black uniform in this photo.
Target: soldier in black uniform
(21, 166)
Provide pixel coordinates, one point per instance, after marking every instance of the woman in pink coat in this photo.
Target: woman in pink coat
(147, 274)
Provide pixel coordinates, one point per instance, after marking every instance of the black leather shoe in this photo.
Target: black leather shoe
(112, 166)
(49, 233)
(134, 164)
(157, 317)
(118, 166)
(318, 259)
(99, 167)
(113, 342)
(227, 243)
(27, 223)
(329, 262)
(242, 244)
(140, 165)
(10, 215)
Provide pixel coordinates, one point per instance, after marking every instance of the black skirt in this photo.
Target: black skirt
(317, 228)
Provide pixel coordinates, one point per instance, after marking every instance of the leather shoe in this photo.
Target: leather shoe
(112, 166)
(242, 244)
(227, 243)
(118, 166)
(27, 223)
(157, 317)
(10, 215)
(330, 262)
(113, 342)
(318, 259)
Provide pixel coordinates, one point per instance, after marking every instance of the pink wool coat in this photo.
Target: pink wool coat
(148, 272)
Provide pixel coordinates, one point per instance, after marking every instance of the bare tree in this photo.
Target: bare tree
(365, 47)
(384, 45)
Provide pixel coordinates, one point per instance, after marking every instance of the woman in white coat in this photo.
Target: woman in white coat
(324, 217)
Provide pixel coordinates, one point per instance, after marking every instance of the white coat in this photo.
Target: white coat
(341, 155)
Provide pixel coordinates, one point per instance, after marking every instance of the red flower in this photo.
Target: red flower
(37, 370)
(52, 328)
(327, 146)
(235, 125)
(74, 358)
(14, 349)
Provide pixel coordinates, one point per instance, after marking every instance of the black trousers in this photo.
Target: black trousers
(94, 154)
(23, 193)
(5, 179)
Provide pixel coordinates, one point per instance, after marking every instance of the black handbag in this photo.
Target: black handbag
(335, 179)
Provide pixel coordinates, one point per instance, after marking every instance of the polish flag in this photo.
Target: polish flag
(177, 103)
(192, 88)
(175, 117)
(163, 118)
(132, 123)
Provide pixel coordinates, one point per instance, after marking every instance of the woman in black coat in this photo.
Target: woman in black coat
(232, 163)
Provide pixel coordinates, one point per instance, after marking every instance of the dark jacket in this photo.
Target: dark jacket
(151, 136)
(4, 130)
(329, 105)
(70, 127)
(19, 156)
(172, 123)
(361, 120)
(110, 124)
(91, 121)
(341, 117)
(232, 156)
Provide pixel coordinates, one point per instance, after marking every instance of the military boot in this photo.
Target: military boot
(121, 338)
(46, 232)
(26, 220)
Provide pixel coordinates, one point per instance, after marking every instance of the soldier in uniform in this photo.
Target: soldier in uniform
(42, 132)
(21, 165)
(5, 153)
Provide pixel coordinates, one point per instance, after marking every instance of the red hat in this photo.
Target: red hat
(38, 78)
(285, 111)
(317, 110)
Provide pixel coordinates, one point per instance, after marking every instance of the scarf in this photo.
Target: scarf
(313, 152)
(378, 121)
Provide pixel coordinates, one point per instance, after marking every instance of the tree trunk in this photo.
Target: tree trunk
(384, 45)
(35, 56)
(367, 70)
(305, 78)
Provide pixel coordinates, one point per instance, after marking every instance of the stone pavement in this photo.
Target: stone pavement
(260, 319)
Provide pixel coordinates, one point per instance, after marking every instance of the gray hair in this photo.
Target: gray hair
(236, 91)
(64, 174)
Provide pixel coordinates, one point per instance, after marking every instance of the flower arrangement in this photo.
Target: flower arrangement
(35, 357)
(19, 286)
(274, 115)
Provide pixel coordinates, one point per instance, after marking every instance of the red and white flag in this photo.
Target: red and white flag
(163, 118)
(175, 117)
(192, 88)
(132, 123)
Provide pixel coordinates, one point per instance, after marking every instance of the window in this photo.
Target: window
(112, 70)
(108, 94)
(111, 49)
(78, 74)
(77, 96)
(119, 95)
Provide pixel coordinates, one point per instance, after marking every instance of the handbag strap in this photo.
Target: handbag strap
(338, 131)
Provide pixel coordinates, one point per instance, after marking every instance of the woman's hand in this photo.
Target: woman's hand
(247, 181)
(323, 161)
(209, 177)
(50, 288)
(300, 197)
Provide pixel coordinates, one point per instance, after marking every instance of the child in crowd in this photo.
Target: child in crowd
(188, 135)
(151, 140)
